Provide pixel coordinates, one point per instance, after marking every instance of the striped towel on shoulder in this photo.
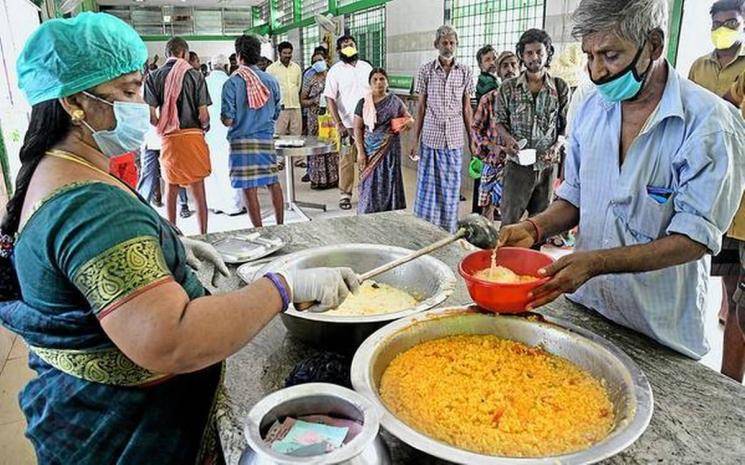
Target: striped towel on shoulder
(256, 92)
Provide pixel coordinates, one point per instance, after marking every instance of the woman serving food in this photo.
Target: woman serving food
(127, 346)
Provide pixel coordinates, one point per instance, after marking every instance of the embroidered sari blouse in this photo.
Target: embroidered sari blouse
(90, 247)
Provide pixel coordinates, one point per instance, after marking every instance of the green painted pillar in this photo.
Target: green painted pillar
(676, 21)
(4, 164)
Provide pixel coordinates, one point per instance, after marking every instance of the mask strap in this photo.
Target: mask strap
(631, 67)
(96, 97)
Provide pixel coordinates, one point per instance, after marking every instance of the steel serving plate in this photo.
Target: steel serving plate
(627, 385)
(427, 278)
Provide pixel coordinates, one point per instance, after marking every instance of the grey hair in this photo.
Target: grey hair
(219, 61)
(444, 31)
(632, 19)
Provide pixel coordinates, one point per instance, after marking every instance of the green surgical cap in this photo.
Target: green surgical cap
(65, 56)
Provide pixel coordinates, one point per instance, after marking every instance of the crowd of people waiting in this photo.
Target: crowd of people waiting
(517, 130)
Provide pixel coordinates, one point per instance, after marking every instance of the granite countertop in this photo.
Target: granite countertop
(699, 415)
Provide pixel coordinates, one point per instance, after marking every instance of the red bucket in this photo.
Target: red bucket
(503, 298)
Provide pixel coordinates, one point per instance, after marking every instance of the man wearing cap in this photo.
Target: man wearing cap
(491, 156)
(223, 197)
(178, 97)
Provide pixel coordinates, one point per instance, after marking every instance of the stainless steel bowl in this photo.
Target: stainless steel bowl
(629, 389)
(427, 278)
(367, 448)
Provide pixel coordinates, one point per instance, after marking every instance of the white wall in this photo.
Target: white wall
(695, 33)
(410, 33)
(18, 19)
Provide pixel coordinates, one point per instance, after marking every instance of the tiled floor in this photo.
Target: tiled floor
(14, 372)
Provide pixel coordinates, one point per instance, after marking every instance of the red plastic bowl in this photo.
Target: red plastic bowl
(503, 298)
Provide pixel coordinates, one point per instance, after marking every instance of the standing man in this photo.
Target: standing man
(250, 108)
(508, 66)
(289, 75)
(178, 99)
(486, 57)
(445, 87)
(718, 72)
(532, 107)
(653, 182)
(489, 146)
(488, 82)
(223, 197)
(194, 60)
(347, 82)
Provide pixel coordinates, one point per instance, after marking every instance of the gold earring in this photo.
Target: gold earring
(78, 116)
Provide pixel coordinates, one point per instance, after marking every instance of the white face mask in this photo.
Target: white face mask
(132, 125)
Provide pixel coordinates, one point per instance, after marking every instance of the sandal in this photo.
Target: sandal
(345, 204)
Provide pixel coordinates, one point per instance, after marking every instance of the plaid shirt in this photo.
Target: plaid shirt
(443, 121)
(540, 120)
(484, 130)
(485, 134)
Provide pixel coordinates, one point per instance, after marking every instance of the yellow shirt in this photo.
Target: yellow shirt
(290, 81)
(737, 230)
(738, 92)
(707, 72)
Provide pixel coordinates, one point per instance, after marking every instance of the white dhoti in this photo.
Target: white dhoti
(221, 197)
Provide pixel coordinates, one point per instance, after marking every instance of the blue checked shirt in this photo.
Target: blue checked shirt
(682, 175)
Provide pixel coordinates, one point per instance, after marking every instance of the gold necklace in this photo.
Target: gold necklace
(81, 161)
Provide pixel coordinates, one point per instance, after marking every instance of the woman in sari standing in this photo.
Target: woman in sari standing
(323, 170)
(379, 118)
(127, 346)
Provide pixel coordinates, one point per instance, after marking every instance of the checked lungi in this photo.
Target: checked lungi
(253, 163)
(438, 186)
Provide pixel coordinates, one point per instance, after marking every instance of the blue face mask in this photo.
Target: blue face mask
(320, 66)
(132, 125)
(625, 85)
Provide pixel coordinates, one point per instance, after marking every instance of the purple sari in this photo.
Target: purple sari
(381, 182)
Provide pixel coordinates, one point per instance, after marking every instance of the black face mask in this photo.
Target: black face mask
(349, 60)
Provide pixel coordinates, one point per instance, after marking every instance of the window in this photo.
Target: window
(261, 14)
(496, 22)
(147, 20)
(279, 38)
(310, 40)
(207, 21)
(312, 7)
(236, 20)
(284, 11)
(368, 28)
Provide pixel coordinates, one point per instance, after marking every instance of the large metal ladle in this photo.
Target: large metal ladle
(474, 228)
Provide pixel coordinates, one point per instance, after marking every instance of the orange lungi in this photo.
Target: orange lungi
(185, 157)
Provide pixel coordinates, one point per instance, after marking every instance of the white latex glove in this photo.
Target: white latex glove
(328, 287)
(198, 253)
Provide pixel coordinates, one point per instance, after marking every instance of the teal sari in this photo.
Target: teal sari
(87, 249)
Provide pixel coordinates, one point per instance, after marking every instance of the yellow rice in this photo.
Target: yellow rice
(497, 397)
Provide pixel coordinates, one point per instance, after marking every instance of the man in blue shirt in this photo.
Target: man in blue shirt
(250, 108)
(654, 176)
